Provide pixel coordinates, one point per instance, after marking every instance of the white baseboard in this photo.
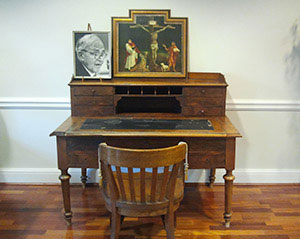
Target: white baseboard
(250, 175)
(50, 175)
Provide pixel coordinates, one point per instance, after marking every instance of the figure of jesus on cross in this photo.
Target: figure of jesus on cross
(150, 28)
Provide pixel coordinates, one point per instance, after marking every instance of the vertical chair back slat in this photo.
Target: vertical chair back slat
(142, 185)
(121, 183)
(163, 187)
(131, 185)
(153, 184)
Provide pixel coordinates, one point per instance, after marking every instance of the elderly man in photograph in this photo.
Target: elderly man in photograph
(91, 55)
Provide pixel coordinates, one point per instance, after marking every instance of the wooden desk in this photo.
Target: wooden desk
(77, 148)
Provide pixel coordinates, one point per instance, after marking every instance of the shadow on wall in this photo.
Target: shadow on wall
(292, 60)
(4, 144)
(292, 76)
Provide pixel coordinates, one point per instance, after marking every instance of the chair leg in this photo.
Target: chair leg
(169, 220)
(175, 220)
(115, 224)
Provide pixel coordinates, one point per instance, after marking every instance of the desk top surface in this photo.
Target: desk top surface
(221, 127)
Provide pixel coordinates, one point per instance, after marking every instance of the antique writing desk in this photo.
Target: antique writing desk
(148, 113)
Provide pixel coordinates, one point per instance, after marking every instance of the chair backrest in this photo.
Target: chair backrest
(149, 175)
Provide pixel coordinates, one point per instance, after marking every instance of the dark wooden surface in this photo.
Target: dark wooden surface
(200, 96)
(260, 212)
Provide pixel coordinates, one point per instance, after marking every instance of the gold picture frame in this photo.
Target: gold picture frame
(149, 43)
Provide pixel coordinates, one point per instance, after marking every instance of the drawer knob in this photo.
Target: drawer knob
(203, 91)
(93, 91)
(202, 112)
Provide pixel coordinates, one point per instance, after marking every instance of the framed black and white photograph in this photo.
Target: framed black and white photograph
(92, 54)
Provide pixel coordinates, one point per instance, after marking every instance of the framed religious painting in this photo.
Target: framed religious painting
(149, 43)
(92, 54)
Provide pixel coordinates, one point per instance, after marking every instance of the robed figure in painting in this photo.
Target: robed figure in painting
(131, 55)
(173, 52)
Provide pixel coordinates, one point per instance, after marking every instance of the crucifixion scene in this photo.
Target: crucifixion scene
(150, 44)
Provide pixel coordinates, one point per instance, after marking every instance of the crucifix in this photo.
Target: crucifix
(151, 29)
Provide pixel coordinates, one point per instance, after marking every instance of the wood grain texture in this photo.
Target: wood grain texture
(260, 212)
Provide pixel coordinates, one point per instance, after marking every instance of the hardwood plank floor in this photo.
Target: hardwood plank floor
(259, 212)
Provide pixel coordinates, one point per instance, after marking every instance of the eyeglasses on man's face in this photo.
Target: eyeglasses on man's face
(97, 53)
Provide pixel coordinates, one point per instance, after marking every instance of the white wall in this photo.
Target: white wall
(255, 44)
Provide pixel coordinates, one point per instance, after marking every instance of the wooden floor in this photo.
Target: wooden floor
(266, 212)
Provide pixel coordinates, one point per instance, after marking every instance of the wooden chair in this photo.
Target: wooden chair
(142, 183)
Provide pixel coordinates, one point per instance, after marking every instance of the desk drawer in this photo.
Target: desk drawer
(88, 159)
(83, 152)
(93, 100)
(206, 153)
(199, 101)
(206, 160)
(83, 110)
(92, 90)
(202, 111)
(205, 92)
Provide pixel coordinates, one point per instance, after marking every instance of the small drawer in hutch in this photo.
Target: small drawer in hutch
(202, 111)
(207, 92)
(93, 100)
(92, 90)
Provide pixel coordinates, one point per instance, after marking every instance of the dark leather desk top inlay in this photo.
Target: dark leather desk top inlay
(167, 124)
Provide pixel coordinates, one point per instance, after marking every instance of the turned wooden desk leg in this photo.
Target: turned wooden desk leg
(65, 185)
(228, 196)
(83, 177)
(212, 177)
